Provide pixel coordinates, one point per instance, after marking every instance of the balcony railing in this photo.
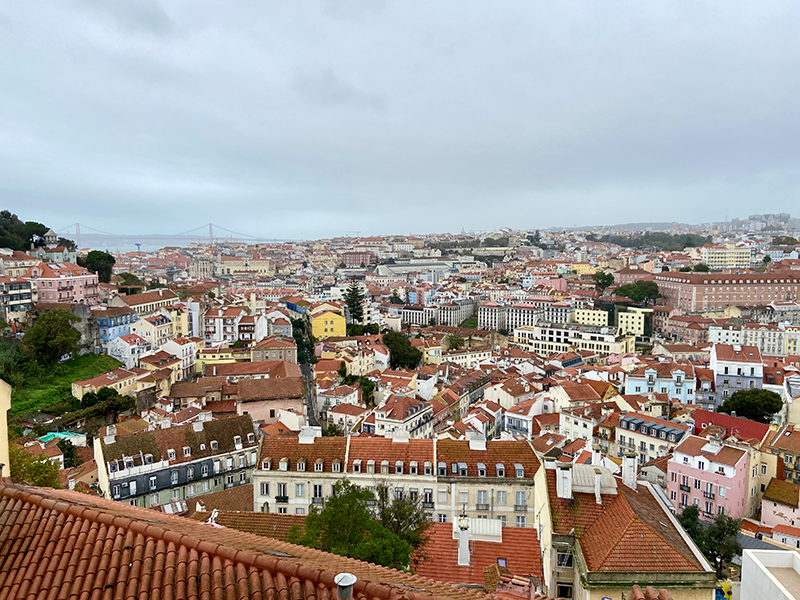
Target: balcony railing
(317, 500)
(427, 505)
(521, 507)
(282, 499)
(685, 488)
(481, 507)
(709, 495)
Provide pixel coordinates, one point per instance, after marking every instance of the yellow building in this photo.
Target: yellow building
(180, 320)
(327, 324)
(5, 405)
(121, 380)
(631, 322)
(213, 356)
(583, 268)
(591, 316)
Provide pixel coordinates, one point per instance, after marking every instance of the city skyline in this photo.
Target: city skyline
(383, 117)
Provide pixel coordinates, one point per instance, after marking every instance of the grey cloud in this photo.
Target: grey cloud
(304, 120)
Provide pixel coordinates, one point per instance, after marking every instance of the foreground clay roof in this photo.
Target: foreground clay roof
(61, 543)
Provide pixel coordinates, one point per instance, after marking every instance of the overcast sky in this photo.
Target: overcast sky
(308, 119)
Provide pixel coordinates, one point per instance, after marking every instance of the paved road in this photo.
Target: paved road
(312, 408)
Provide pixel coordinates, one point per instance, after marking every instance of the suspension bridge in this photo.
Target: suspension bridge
(210, 233)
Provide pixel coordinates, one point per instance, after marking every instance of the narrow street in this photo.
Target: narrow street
(305, 368)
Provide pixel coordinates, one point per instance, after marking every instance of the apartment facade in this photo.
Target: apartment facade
(736, 368)
(548, 338)
(168, 467)
(64, 283)
(698, 292)
(647, 436)
(676, 380)
(487, 480)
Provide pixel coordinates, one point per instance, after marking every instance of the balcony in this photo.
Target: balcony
(481, 507)
(317, 500)
(709, 495)
(521, 507)
(685, 488)
(282, 499)
(427, 505)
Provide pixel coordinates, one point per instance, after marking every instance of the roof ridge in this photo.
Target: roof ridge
(159, 530)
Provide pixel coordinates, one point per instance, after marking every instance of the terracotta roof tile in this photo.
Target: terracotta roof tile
(61, 543)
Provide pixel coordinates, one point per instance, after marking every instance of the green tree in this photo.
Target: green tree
(346, 527)
(395, 299)
(701, 268)
(354, 299)
(721, 542)
(767, 259)
(603, 279)
(31, 470)
(455, 341)
(756, 405)
(17, 235)
(332, 431)
(686, 269)
(70, 454)
(403, 516)
(99, 262)
(690, 520)
(52, 337)
(129, 279)
(402, 353)
(641, 291)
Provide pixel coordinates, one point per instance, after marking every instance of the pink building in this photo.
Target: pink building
(64, 282)
(711, 475)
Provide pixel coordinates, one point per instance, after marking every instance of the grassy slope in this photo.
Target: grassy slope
(57, 385)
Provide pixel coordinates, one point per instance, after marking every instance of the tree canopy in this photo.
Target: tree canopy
(403, 354)
(403, 516)
(52, 337)
(641, 291)
(603, 279)
(756, 405)
(785, 241)
(346, 527)
(15, 234)
(31, 470)
(701, 268)
(99, 262)
(455, 341)
(354, 299)
(716, 541)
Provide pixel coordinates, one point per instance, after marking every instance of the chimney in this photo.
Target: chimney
(463, 541)
(598, 474)
(197, 426)
(564, 480)
(477, 441)
(344, 583)
(309, 434)
(630, 469)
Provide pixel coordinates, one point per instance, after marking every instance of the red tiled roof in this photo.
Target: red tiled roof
(519, 546)
(626, 532)
(727, 455)
(64, 543)
(784, 492)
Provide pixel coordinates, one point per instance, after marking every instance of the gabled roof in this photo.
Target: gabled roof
(65, 543)
(627, 532)
(784, 492)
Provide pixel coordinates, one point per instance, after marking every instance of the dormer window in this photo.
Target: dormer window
(371, 467)
(357, 466)
(237, 442)
(384, 467)
(413, 469)
(148, 459)
(129, 463)
(283, 465)
(398, 467)
(266, 464)
(500, 469)
(202, 446)
(428, 468)
(519, 470)
(442, 468)
(251, 438)
(462, 469)
(337, 466)
(481, 470)
(187, 451)
(214, 445)
(112, 466)
(301, 464)
(171, 454)
(319, 465)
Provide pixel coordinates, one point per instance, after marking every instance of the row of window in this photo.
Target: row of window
(191, 489)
